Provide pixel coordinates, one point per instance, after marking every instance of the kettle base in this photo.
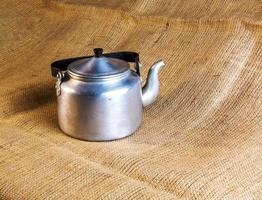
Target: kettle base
(122, 136)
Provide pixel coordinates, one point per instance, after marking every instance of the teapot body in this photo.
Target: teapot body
(100, 97)
(100, 110)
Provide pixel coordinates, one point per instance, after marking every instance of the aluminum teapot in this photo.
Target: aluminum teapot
(99, 97)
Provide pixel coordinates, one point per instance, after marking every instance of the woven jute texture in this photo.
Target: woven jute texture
(202, 139)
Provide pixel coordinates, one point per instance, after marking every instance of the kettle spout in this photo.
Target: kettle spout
(151, 88)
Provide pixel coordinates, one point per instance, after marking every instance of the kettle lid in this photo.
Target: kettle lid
(97, 66)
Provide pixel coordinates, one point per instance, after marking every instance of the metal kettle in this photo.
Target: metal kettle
(99, 97)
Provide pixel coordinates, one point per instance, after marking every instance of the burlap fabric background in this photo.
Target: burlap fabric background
(202, 139)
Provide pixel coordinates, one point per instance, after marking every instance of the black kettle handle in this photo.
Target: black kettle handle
(128, 56)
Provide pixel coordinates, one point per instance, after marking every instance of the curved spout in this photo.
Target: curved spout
(151, 88)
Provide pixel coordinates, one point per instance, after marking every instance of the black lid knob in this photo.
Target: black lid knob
(98, 52)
